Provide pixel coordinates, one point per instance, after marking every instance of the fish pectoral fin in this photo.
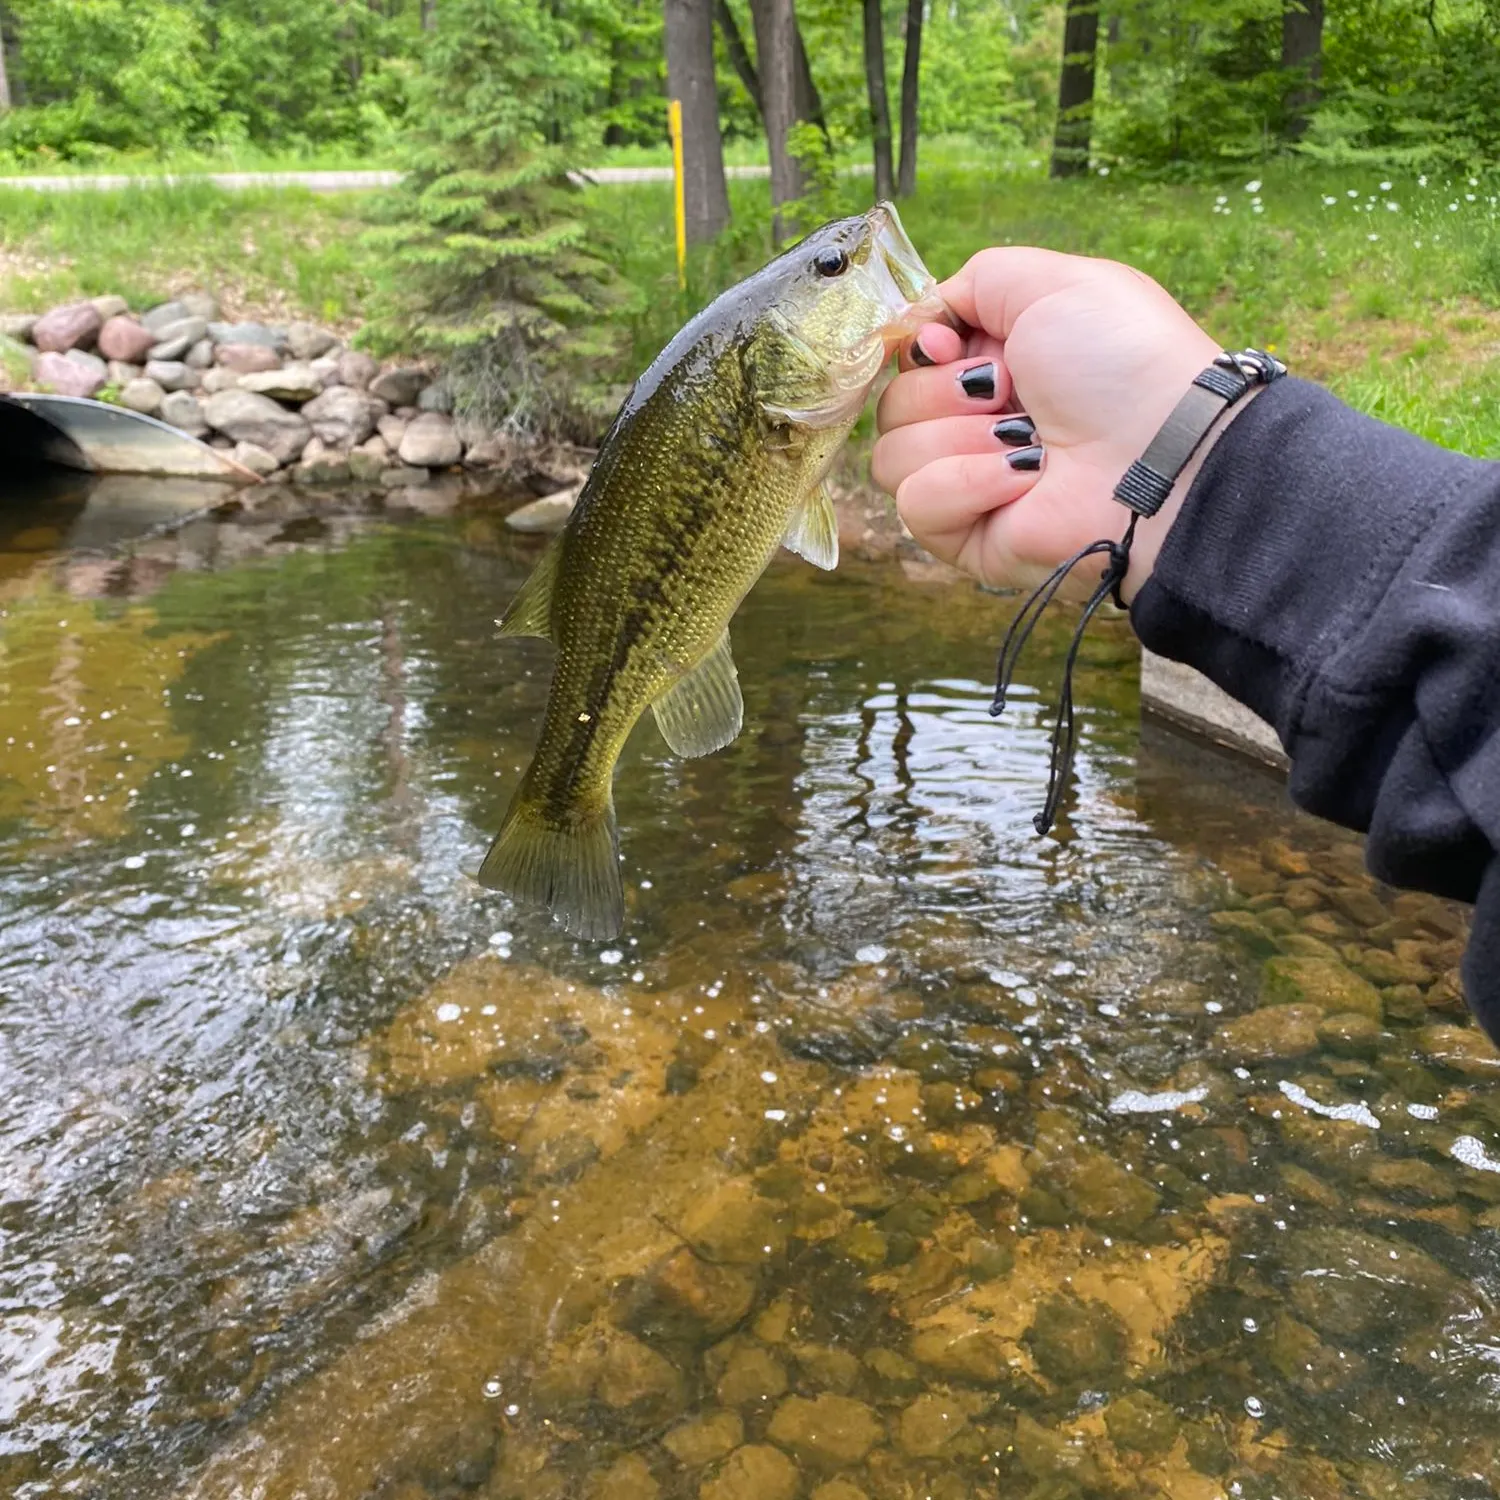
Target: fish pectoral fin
(530, 612)
(703, 710)
(813, 531)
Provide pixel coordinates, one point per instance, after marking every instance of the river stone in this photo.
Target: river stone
(929, 1424)
(200, 304)
(367, 467)
(1330, 986)
(67, 377)
(750, 1375)
(182, 409)
(690, 1297)
(1350, 1034)
(163, 313)
(754, 1472)
(1142, 1423)
(429, 440)
(323, 468)
(1358, 905)
(73, 326)
(306, 341)
(488, 451)
(839, 1489)
(247, 333)
(125, 339)
(392, 429)
(249, 417)
(435, 398)
(827, 1432)
(255, 458)
(172, 374)
(247, 359)
(1384, 968)
(326, 368)
(401, 476)
(118, 374)
(173, 340)
(1412, 1179)
(627, 1478)
(295, 383)
(218, 379)
(1247, 928)
(17, 326)
(356, 368)
(111, 305)
(1269, 1035)
(200, 356)
(1353, 1285)
(342, 416)
(142, 395)
(705, 1439)
(547, 515)
(1465, 1049)
(400, 387)
(1075, 1342)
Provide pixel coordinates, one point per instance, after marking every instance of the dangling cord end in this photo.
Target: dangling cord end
(1065, 731)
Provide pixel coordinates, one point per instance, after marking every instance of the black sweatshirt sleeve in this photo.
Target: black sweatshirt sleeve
(1342, 578)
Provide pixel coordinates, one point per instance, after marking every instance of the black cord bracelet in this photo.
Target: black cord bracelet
(1142, 490)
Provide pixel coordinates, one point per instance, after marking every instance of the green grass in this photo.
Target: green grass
(1406, 325)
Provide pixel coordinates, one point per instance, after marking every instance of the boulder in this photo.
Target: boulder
(342, 416)
(1318, 981)
(143, 395)
(200, 356)
(826, 1432)
(200, 305)
(120, 374)
(90, 362)
(326, 468)
(247, 333)
(249, 417)
(164, 313)
(435, 398)
(17, 326)
(295, 383)
(392, 429)
(368, 467)
(219, 379)
(182, 409)
(306, 341)
(110, 306)
(401, 475)
(357, 369)
(547, 515)
(176, 338)
(1272, 1034)
(755, 1472)
(172, 374)
(246, 359)
(401, 386)
(489, 451)
(56, 372)
(74, 326)
(429, 441)
(125, 339)
(375, 447)
(255, 458)
(326, 368)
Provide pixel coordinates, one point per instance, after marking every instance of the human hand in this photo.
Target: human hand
(1095, 355)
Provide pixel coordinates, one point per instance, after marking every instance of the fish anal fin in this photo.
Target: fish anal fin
(813, 530)
(572, 868)
(530, 612)
(703, 710)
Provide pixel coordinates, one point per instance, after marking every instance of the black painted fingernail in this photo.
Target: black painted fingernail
(919, 356)
(979, 381)
(1026, 459)
(1015, 432)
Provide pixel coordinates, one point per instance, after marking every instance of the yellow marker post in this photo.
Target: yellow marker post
(674, 126)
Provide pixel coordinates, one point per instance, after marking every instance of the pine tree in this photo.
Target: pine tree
(488, 257)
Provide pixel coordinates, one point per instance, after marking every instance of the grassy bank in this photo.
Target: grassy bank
(1387, 288)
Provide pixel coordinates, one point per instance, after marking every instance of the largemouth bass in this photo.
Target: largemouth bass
(716, 458)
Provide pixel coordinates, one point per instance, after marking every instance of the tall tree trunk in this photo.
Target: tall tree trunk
(4, 76)
(690, 78)
(1075, 90)
(880, 104)
(911, 75)
(429, 15)
(809, 100)
(776, 48)
(1302, 53)
(739, 54)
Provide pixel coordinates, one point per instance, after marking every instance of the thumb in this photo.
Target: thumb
(997, 285)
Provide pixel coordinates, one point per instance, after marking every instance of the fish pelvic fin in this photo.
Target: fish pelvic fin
(703, 710)
(530, 612)
(572, 868)
(813, 530)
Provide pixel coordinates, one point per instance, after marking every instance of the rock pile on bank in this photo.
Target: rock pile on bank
(293, 399)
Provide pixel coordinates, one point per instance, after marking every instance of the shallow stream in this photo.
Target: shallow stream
(893, 1152)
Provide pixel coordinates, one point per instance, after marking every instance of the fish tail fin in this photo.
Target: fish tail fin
(571, 868)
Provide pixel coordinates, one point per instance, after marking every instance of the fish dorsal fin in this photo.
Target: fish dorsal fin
(813, 531)
(530, 612)
(703, 710)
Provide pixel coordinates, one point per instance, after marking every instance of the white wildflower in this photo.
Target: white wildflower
(1372, 236)
(1385, 187)
(1354, 192)
(1392, 206)
(1422, 180)
(1253, 187)
(1104, 171)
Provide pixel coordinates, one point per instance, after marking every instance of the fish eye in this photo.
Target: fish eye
(830, 262)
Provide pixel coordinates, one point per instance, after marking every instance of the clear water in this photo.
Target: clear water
(892, 1151)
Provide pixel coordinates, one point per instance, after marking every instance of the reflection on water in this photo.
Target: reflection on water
(892, 1152)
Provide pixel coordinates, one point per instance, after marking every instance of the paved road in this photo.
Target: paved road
(317, 182)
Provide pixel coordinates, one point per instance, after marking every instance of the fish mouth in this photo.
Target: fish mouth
(912, 292)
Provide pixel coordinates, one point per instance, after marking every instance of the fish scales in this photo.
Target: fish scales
(714, 460)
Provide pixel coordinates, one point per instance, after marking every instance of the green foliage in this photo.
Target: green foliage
(486, 257)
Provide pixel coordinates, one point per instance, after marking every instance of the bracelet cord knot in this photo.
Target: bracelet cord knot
(1142, 490)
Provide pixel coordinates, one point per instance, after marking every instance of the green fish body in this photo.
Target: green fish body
(716, 458)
